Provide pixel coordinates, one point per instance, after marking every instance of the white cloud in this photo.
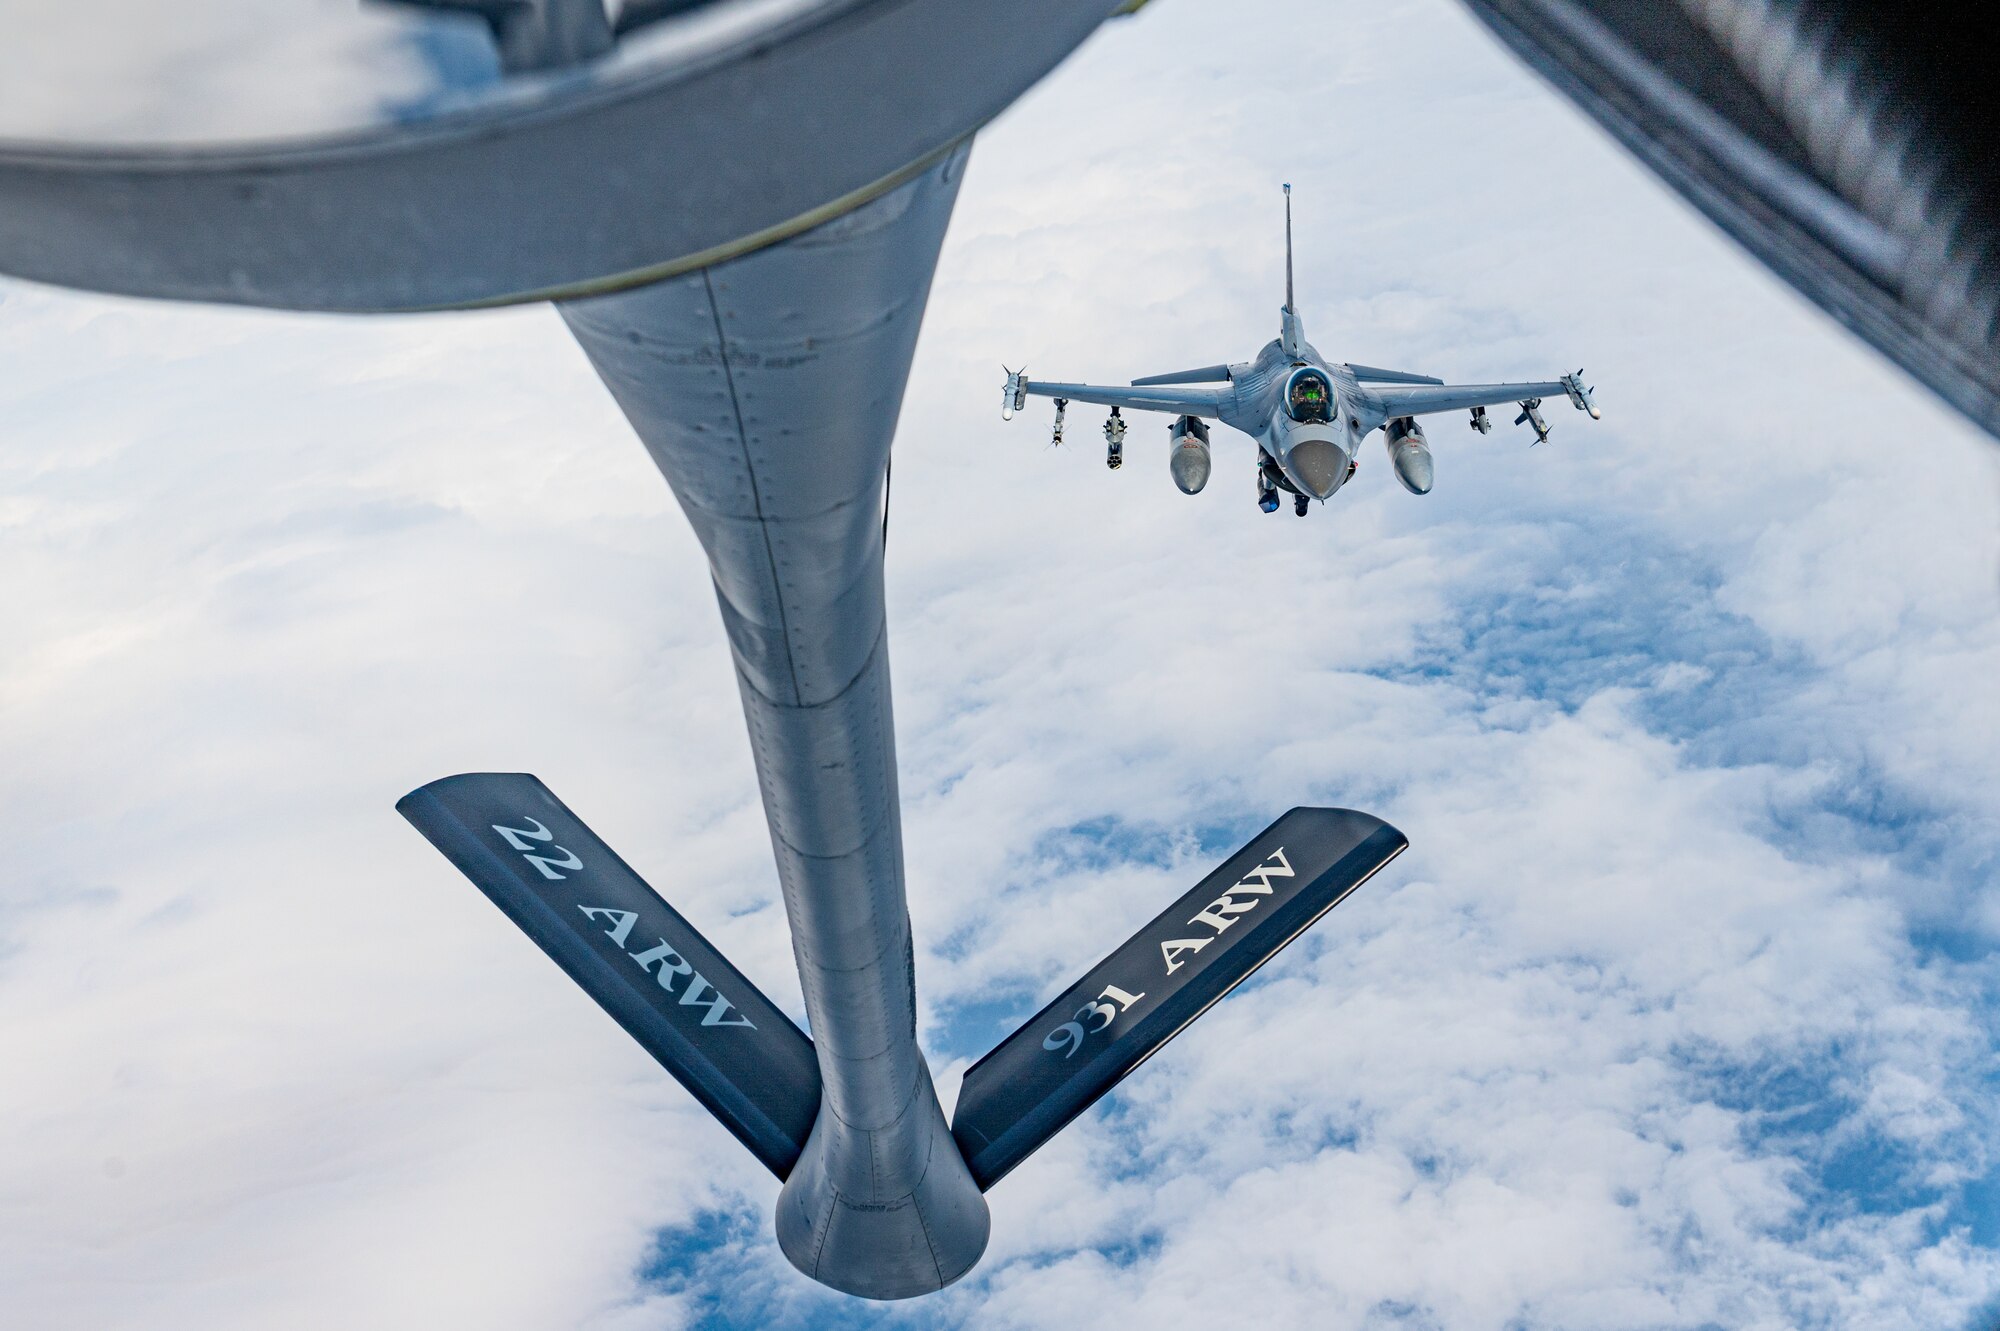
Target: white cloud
(1675, 1014)
(127, 71)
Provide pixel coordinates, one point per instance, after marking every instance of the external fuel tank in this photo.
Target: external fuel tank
(1187, 454)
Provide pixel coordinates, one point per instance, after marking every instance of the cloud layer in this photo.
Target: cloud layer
(1677, 1014)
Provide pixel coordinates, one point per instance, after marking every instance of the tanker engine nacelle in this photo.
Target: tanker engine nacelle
(1409, 454)
(1187, 453)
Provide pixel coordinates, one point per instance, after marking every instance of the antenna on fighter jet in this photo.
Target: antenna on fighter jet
(1294, 338)
(1290, 305)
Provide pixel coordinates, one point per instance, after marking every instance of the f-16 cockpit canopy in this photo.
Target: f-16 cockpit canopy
(1309, 397)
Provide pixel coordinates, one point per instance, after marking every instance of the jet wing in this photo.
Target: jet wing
(1177, 399)
(1422, 399)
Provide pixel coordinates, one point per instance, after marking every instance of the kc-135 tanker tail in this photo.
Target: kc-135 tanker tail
(743, 1058)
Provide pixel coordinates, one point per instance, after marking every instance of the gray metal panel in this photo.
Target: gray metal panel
(766, 389)
(613, 174)
(1422, 399)
(1181, 401)
(1207, 374)
(1374, 374)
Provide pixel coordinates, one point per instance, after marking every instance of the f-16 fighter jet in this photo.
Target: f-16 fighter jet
(1307, 414)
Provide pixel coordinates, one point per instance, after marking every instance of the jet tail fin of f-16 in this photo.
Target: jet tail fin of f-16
(1119, 1014)
(735, 1050)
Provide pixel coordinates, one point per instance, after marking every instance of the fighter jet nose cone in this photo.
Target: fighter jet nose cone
(1317, 465)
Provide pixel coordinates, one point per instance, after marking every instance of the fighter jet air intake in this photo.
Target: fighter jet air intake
(1308, 415)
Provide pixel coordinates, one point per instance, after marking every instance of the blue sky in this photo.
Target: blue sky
(1680, 1012)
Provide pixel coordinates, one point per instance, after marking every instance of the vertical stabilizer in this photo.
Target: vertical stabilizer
(1294, 330)
(1289, 306)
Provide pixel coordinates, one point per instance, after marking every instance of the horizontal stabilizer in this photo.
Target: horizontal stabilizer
(1141, 996)
(1368, 374)
(1207, 374)
(735, 1050)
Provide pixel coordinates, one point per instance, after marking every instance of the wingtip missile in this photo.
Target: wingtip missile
(1580, 396)
(1014, 395)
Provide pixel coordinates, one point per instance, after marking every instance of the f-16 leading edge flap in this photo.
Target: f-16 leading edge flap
(1141, 996)
(734, 1049)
